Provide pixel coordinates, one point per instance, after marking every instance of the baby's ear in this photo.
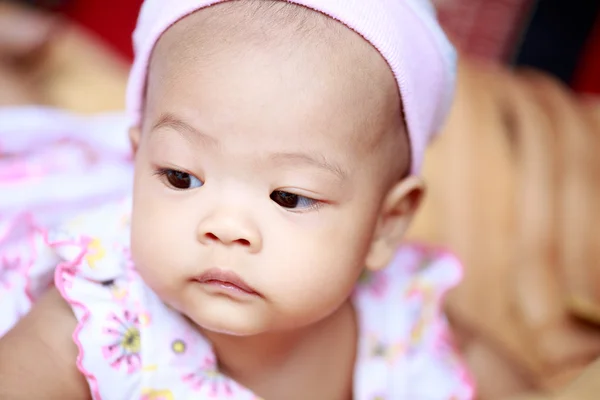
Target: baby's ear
(134, 138)
(398, 210)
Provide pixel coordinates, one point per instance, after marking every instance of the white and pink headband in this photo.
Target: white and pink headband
(405, 32)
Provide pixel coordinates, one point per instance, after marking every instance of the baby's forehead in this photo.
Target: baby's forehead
(286, 29)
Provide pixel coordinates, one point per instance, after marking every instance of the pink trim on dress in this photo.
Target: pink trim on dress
(59, 282)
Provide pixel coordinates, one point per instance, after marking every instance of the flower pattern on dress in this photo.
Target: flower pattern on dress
(150, 394)
(118, 292)
(126, 341)
(208, 375)
(422, 294)
(374, 283)
(185, 347)
(96, 252)
(119, 287)
(390, 352)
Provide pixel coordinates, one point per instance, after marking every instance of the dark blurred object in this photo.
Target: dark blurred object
(25, 34)
(45, 59)
(587, 75)
(50, 5)
(111, 20)
(557, 35)
(24, 31)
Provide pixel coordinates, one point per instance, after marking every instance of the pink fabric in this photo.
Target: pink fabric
(53, 165)
(405, 32)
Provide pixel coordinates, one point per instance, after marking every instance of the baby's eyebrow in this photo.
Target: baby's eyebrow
(315, 160)
(168, 120)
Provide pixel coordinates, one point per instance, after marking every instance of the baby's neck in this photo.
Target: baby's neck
(313, 362)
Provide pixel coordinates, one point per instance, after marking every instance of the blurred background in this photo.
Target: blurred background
(513, 179)
(558, 36)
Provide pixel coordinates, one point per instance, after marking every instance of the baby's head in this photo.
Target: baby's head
(270, 147)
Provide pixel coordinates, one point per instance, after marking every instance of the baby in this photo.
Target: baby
(277, 149)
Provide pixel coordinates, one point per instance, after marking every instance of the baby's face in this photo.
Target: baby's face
(263, 158)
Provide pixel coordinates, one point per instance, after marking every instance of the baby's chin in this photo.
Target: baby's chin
(227, 330)
(222, 321)
(211, 329)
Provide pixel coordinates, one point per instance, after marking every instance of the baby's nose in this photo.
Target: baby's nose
(229, 230)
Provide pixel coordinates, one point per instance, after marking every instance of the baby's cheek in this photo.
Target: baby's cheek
(347, 241)
(149, 257)
(322, 269)
(155, 272)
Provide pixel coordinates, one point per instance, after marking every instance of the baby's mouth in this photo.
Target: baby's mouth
(229, 281)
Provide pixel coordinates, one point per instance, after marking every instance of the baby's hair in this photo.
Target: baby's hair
(300, 20)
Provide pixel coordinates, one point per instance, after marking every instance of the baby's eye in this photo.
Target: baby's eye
(290, 200)
(180, 180)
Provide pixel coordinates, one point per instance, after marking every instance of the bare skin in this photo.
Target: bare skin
(37, 357)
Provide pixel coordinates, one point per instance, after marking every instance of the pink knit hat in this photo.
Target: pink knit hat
(405, 32)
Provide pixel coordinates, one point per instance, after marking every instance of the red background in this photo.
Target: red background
(481, 28)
